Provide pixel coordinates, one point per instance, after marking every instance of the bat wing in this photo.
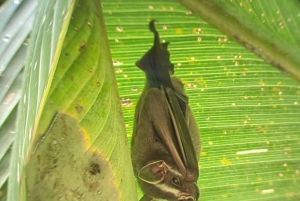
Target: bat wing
(165, 113)
(183, 136)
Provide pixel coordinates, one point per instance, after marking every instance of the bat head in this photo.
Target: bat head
(159, 180)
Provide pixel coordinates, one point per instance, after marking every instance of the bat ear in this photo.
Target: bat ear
(153, 173)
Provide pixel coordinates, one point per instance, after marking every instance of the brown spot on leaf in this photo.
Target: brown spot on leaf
(82, 47)
(93, 186)
(79, 108)
(94, 169)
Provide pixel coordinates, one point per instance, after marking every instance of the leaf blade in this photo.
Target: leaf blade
(260, 41)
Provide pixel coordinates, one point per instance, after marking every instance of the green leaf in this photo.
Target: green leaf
(267, 28)
(248, 112)
(15, 29)
(15, 25)
(41, 62)
(84, 103)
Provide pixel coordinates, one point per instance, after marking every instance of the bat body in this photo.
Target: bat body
(166, 143)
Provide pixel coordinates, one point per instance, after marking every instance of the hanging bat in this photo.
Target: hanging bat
(165, 144)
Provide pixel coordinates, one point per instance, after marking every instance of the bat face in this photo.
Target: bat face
(165, 145)
(160, 181)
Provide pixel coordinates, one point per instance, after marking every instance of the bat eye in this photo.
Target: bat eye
(176, 181)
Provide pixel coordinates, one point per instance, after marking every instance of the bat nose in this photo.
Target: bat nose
(189, 198)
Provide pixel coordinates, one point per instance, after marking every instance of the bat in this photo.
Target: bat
(165, 145)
